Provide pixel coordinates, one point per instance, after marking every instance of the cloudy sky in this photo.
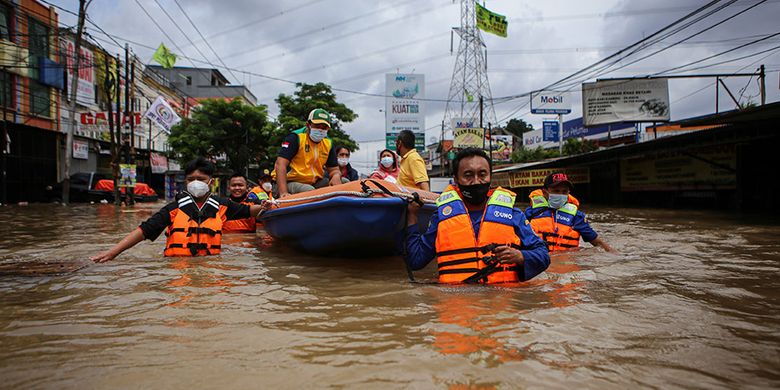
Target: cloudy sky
(351, 44)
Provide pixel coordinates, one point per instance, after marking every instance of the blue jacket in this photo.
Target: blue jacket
(421, 248)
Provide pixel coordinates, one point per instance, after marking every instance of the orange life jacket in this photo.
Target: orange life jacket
(554, 227)
(194, 231)
(246, 225)
(464, 257)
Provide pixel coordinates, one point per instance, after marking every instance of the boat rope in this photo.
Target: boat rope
(367, 192)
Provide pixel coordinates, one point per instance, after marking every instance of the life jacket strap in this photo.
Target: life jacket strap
(484, 249)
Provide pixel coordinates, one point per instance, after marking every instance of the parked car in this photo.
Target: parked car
(80, 185)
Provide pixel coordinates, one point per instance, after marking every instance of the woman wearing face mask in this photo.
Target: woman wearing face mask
(476, 235)
(348, 173)
(193, 222)
(556, 219)
(388, 167)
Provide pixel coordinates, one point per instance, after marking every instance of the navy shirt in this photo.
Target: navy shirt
(157, 223)
(421, 248)
(290, 147)
(580, 223)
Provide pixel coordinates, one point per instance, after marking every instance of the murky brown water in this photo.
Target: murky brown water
(693, 302)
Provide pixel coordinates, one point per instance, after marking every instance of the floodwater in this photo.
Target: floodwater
(694, 301)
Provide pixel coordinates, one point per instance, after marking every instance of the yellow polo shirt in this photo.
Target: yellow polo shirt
(412, 169)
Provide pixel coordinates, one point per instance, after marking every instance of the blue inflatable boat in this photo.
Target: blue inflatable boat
(356, 218)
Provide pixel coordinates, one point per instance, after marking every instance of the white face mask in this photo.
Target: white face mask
(317, 135)
(557, 201)
(197, 188)
(343, 161)
(386, 162)
(267, 186)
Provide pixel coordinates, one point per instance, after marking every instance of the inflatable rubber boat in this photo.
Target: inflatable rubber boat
(361, 218)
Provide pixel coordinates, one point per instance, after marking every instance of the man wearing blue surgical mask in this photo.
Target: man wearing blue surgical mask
(305, 155)
(555, 216)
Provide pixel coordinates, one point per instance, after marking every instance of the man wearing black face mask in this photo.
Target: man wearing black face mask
(477, 235)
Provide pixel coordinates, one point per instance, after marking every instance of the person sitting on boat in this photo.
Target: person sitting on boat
(239, 193)
(348, 173)
(476, 235)
(388, 167)
(192, 223)
(555, 216)
(264, 189)
(304, 156)
(412, 172)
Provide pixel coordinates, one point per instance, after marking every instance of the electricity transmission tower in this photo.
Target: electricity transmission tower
(469, 84)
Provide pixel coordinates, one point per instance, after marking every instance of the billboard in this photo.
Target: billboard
(550, 131)
(501, 148)
(85, 93)
(403, 108)
(614, 101)
(466, 134)
(550, 102)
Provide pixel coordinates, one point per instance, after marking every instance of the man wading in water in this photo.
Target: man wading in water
(476, 234)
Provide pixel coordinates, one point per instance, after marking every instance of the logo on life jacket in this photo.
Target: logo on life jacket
(499, 214)
(447, 210)
(504, 199)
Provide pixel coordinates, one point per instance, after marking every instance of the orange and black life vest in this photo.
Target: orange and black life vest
(246, 225)
(195, 231)
(462, 256)
(553, 226)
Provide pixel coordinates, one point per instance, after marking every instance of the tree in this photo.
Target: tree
(577, 146)
(518, 127)
(294, 110)
(236, 130)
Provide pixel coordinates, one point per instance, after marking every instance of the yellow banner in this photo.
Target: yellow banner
(491, 22)
(471, 137)
(535, 177)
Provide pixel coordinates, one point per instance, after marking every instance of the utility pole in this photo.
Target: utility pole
(4, 146)
(72, 103)
(130, 156)
(762, 76)
(108, 84)
(118, 126)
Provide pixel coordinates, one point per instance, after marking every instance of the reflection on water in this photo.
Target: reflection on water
(694, 301)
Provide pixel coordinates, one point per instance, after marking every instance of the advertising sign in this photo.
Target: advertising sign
(466, 134)
(403, 108)
(613, 101)
(705, 169)
(533, 139)
(550, 102)
(80, 149)
(127, 175)
(550, 131)
(85, 94)
(535, 177)
(158, 162)
(501, 148)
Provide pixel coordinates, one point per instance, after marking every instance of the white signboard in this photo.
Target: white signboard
(614, 101)
(534, 139)
(550, 102)
(160, 112)
(85, 93)
(80, 149)
(403, 108)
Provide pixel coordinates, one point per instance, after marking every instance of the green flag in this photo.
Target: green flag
(164, 57)
(469, 97)
(491, 22)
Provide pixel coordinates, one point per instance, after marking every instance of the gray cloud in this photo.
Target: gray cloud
(547, 41)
